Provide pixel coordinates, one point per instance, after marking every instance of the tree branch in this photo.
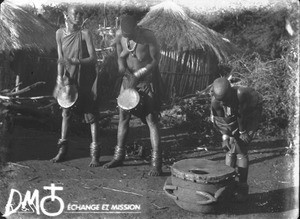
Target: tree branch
(26, 89)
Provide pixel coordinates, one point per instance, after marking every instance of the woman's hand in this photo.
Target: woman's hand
(69, 61)
(132, 80)
(245, 137)
(73, 61)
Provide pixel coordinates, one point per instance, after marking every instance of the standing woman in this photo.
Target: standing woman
(76, 66)
(138, 58)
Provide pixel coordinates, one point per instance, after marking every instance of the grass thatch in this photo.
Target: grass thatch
(176, 31)
(20, 29)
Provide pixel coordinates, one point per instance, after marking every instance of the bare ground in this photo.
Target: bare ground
(273, 188)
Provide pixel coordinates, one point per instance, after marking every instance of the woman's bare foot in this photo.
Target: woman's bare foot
(94, 162)
(61, 155)
(154, 171)
(62, 151)
(95, 154)
(113, 163)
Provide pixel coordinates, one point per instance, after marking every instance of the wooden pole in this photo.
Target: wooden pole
(17, 84)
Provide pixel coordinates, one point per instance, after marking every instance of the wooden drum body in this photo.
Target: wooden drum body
(199, 185)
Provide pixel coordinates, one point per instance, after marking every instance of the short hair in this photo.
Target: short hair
(76, 6)
(128, 24)
(221, 86)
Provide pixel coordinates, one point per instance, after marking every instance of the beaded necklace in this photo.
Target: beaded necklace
(133, 49)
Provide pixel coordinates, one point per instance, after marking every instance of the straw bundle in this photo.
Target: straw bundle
(20, 29)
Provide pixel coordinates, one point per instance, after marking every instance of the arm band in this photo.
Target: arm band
(225, 137)
(59, 79)
(242, 132)
(141, 72)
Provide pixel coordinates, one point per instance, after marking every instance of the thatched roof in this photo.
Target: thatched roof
(20, 29)
(176, 31)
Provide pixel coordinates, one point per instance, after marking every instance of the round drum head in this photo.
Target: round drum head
(67, 96)
(128, 99)
(202, 170)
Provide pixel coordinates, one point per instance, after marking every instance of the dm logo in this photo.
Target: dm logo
(34, 202)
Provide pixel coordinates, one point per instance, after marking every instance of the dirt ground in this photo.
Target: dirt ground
(273, 188)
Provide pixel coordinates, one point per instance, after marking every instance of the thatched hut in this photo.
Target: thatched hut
(25, 43)
(191, 52)
(20, 29)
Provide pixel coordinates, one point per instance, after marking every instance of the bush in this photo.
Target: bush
(198, 121)
(270, 60)
(193, 116)
(272, 79)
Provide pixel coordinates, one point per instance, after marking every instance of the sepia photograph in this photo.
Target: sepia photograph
(113, 109)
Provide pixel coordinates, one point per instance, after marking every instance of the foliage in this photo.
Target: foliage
(268, 61)
(198, 120)
(271, 68)
(193, 116)
(270, 79)
(256, 30)
(54, 14)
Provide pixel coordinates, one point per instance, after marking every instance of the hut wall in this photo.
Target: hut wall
(187, 72)
(33, 66)
(7, 81)
(6, 75)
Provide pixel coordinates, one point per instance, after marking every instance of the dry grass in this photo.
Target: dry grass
(20, 29)
(176, 31)
(275, 81)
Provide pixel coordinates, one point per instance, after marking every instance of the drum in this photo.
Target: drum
(211, 182)
(189, 199)
(132, 101)
(67, 96)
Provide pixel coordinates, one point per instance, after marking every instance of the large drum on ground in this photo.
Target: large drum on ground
(132, 101)
(199, 185)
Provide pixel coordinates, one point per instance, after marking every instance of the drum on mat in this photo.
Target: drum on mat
(211, 182)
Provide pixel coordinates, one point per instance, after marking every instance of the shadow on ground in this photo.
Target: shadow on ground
(33, 141)
(279, 200)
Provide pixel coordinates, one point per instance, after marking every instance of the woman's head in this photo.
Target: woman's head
(222, 90)
(74, 15)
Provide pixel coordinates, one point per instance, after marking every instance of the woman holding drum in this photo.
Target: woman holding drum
(138, 57)
(76, 71)
(236, 113)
